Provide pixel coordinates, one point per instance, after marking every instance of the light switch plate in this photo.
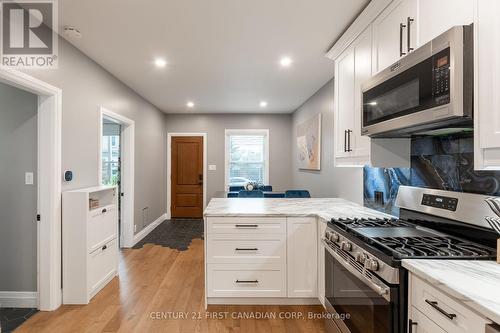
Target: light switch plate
(212, 167)
(28, 178)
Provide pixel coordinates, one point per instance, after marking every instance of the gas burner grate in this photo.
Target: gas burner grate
(372, 222)
(433, 247)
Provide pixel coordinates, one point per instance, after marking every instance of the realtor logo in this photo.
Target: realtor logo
(29, 34)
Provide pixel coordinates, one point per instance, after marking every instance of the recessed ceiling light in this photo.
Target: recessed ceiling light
(263, 104)
(160, 62)
(190, 104)
(285, 61)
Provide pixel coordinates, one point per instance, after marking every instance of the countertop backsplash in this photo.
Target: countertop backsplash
(443, 162)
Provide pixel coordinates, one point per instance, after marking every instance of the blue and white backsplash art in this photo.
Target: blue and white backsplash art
(444, 163)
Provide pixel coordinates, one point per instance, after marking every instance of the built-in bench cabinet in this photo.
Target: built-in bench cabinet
(431, 310)
(89, 242)
(388, 30)
(271, 258)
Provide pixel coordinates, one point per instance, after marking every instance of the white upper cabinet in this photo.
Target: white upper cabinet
(486, 84)
(394, 33)
(352, 67)
(435, 17)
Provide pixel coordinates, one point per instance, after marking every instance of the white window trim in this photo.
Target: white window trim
(229, 132)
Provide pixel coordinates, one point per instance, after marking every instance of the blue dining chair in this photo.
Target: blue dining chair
(266, 188)
(251, 194)
(297, 194)
(232, 194)
(274, 195)
(236, 188)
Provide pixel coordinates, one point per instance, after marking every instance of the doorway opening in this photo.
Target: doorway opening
(186, 175)
(116, 167)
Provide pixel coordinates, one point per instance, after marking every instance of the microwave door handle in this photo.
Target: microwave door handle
(409, 21)
(401, 27)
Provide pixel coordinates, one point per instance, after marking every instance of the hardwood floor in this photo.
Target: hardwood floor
(157, 284)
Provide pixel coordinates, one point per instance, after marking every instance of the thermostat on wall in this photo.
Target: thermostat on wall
(68, 176)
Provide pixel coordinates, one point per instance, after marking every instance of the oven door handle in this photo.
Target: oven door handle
(383, 290)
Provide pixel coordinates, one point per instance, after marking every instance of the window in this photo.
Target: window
(247, 157)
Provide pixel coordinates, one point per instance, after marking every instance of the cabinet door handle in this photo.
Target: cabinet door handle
(411, 323)
(247, 225)
(104, 210)
(246, 249)
(436, 306)
(247, 281)
(401, 27)
(104, 247)
(345, 141)
(409, 21)
(349, 140)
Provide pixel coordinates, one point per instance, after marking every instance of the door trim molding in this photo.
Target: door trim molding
(169, 168)
(49, 184)
(128, 172)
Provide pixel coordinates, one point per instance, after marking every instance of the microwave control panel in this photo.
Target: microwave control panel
(441, 77)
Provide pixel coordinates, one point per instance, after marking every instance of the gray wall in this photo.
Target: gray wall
(346, 183)
(214, 125)
(86, 86)
(18, 202)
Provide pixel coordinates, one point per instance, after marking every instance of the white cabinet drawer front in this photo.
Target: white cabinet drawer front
(235, 280)
(103, 262)
(102, 227)
(269, 249)
(442, 309)
(246, 225)
(422, 324)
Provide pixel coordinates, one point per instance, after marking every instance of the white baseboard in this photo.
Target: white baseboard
(262, 301)
(18, 299)
(144, 232)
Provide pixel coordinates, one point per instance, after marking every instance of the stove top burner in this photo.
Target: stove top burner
(402, 239)
(373, 222)
(438, 246)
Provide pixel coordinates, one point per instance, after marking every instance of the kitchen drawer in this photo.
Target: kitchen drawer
(102, 266)
(422, 324)
(437, 306)
(102, 227)
(246, 225)
(246, 280)
(246, 249)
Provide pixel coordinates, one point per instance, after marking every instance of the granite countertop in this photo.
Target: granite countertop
(476, 283)
(325, 208)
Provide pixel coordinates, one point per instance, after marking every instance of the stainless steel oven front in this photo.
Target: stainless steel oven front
(357, 300)
(432, 87)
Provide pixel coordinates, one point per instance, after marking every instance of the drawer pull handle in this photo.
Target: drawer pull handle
(104, 247)
(246, 249)
(247, 281)
(247, 225)
(104, 210)
(435, 305)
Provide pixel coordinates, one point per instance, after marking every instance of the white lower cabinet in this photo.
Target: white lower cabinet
(431, 310)
(261, 257)
(302, 264)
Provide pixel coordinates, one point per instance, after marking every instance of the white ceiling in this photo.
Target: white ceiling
(222, 54)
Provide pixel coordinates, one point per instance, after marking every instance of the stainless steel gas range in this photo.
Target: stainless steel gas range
(365, 286)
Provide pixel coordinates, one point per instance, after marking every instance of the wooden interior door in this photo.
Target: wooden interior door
(187, 177)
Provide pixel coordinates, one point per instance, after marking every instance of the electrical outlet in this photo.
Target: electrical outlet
(28, 178)
(379, 197)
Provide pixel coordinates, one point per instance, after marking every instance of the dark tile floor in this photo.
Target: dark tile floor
(12, 318)
(175, 234)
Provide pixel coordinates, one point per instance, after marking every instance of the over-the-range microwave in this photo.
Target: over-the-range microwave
(431, 88)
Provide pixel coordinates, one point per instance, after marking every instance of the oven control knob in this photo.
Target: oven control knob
(334, 237)
(346, 246)
(368, 263)
(359, 257)
(374, 265)
(364, 257)
(328, 235)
